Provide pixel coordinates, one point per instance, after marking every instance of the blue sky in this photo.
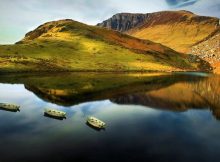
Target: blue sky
(17, 17)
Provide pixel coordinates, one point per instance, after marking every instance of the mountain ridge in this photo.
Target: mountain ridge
(182, 31)
(170, 28)
(68, 45)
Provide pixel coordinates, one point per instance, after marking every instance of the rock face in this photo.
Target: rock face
(209, 48)
(124, 21)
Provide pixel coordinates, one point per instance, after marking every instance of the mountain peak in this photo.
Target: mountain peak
(123, 22)
(172, 26)
(49, 29)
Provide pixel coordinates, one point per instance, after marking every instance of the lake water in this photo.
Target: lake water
(149, 117)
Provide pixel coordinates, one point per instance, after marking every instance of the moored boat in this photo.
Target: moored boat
(9, 107)
(55, 113)
(96, 122)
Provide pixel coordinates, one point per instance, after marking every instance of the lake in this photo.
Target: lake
(149, 117)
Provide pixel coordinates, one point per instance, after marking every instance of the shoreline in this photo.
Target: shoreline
(104, 71)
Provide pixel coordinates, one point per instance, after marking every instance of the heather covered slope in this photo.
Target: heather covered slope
(67, 45)
(178, 30)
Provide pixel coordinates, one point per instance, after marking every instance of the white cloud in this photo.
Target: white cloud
(19, 16)
(205, 8)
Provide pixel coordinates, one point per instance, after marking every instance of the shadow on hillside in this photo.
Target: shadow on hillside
(202, 64)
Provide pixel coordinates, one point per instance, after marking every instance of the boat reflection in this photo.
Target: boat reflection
(54, 117)
(13, 110)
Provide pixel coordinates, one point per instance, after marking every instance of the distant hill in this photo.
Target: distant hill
(67, 45)
(178, 30)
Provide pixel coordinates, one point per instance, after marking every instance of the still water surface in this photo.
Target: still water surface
(150, 117)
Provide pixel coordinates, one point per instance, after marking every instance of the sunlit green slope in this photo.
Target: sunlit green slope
(67, 45)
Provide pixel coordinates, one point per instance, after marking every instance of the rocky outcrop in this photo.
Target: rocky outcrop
(209, 48)
(124, 21)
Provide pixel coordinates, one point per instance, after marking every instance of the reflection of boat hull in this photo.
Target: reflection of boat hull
(9, 107)
(94, 122)
(54, 117)
(55, 113)
(95, 128)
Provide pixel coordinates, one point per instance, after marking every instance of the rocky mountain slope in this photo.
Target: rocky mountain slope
(178, 30)
(67, 45)
(182, 31)
(209, 49)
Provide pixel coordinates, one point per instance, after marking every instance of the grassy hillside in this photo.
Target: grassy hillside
(67, 45)
(178, 30)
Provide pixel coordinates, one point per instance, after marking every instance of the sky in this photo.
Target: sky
(17, 17)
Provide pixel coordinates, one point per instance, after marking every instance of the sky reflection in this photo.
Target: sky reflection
(133, 132)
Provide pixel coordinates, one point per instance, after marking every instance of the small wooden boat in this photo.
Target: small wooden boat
(55, 113)
(9, 107)
(96, 122)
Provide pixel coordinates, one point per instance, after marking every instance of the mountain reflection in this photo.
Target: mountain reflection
(180, 96)
(176, 92)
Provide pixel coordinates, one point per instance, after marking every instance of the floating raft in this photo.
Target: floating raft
(96, 122)
(9, 107)
(55, 113)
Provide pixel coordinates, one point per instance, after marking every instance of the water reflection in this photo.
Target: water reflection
(53, 117)
(2, 109)
(181, 96)
(133, 107)
(176, 92)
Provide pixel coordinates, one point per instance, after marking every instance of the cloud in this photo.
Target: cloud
(205, 8)
(180, 3)
(19, 16)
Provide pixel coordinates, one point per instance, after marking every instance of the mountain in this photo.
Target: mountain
(67, 45)
(178, 30)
